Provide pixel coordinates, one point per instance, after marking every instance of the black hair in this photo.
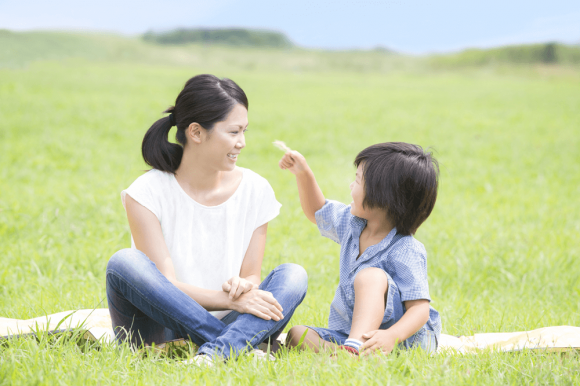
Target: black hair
(205, 99)
(402, 179)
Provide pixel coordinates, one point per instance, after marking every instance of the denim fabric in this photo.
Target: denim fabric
(402, 258)
(424, 339)
(143, 303)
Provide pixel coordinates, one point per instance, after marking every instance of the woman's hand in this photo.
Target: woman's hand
(258, 303)
(237, 286)
(294, 162)
(382, 340)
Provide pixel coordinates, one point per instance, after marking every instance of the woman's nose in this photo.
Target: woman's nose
(241, 143)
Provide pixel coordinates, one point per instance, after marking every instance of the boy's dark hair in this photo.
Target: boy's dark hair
(401, 178)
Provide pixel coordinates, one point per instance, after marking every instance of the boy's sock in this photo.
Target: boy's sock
(354, 343)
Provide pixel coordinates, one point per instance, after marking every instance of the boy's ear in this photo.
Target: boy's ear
(194, 132)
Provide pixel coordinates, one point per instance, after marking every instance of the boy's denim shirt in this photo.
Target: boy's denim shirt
(402, 258)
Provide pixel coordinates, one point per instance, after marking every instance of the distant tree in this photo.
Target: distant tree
(229, 36)
(549, 53)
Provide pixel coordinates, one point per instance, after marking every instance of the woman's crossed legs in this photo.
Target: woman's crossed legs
(143, 303)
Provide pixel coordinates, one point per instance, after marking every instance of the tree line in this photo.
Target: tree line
(226, 36)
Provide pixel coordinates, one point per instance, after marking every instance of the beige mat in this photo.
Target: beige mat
(96, 325)
(555, 339)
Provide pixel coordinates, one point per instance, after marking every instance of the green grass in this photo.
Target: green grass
(502, 240)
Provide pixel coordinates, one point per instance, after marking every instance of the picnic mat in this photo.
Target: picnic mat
(95, 325)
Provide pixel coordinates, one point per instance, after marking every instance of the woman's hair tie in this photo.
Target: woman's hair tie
(172, 119)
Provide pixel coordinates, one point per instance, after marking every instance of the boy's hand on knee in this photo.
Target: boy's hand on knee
(294, 162)
(382, 340)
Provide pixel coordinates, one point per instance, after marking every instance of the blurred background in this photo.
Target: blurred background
(528, 32)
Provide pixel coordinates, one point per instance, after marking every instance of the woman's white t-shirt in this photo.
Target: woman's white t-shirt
(207, 244)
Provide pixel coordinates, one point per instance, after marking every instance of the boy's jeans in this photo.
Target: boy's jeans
(150, 308)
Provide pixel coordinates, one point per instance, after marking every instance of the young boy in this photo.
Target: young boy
(382, 297)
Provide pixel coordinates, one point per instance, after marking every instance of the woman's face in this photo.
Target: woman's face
(224, 143)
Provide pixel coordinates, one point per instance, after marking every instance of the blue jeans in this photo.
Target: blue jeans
(146, 307)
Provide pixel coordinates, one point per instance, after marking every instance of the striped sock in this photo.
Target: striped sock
(354, 343)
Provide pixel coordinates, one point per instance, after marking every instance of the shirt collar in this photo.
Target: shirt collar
(387, 240)
(358, 225)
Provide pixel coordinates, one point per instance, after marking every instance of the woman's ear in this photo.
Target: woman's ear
(194, 132)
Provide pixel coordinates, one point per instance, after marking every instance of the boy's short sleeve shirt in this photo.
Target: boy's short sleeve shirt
(332, 220)
(402, 258)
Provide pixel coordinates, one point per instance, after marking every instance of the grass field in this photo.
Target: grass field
(502, 241)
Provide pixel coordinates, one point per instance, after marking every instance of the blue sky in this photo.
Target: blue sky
(412, 26)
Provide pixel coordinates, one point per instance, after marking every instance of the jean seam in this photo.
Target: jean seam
(121, 295)
(144, 297)
(274, 328)
(277, 325)
(294, 300)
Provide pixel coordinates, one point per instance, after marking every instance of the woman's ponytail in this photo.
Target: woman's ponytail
(157, 151)
(205, 99)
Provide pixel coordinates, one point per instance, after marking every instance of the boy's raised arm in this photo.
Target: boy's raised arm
(311, 197)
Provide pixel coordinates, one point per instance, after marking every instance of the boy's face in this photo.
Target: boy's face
(357, 191)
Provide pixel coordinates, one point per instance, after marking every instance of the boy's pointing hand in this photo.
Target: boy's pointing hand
(294, 162)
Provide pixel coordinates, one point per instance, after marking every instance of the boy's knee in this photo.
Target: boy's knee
(371, 277)
(295, 334)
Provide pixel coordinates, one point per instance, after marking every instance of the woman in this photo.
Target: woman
(198, 228)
